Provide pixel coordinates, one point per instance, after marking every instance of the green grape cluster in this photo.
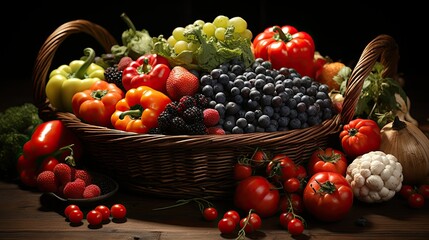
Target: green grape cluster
(217, 29)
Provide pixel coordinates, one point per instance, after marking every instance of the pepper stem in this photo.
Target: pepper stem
(281, 36)
(135, 114)
(80, 73)
(129, 23)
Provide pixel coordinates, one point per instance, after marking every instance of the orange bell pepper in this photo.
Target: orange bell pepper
(97, 104)
(139, 110)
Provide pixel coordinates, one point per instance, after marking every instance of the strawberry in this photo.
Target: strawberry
(92, 190)
(63, 172)
(74, 189)
(47, 182)
(84, 175)
(211, 117)
(124, 62)
(181, 82)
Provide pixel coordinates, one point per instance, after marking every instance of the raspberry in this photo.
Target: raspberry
(74, 189)
(92, 190)
(215, 130)
(47, 182)
(63, 173)
(84, 175)
(211, 117)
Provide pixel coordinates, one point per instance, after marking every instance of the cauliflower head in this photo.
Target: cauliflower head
(375, 176)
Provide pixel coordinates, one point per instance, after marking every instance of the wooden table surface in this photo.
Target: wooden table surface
(28, 214)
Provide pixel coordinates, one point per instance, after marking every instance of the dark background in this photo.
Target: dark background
(340, 31)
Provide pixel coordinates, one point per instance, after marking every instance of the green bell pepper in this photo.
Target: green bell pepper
(67, 80)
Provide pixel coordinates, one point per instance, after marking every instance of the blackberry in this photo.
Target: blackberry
(193, 115)
(114, 75)
(178, 126)
(196, 129)
(201, 100)
(186, 102)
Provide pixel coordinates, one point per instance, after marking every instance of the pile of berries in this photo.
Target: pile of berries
(68, 182)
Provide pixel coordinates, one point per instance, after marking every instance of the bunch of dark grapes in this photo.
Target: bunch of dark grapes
(183, 117)
(262, 99)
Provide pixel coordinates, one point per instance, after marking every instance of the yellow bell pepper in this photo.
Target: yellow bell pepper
(67, 80)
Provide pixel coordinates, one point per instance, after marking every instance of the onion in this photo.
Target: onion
(410, 146)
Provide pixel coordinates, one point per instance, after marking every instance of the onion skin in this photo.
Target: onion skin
(410, 146)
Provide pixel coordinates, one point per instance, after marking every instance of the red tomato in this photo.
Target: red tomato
(301, 172)
(94, 217)
(292, 185)
(48, 164)
(360, 136)
(234, 215)
(259, 158)
(242, 171)
(105, 211)
(294, 199)
(416, 200)
(118, 211)
(281, 168)
(327, 160)
(253, 224)
(295, 226)
(285, 218)
(406, 191)
(257, 193)
(226, 225)
(70, 208)
(75, 216)
(328, 196)
(210, 213)
(424, 190)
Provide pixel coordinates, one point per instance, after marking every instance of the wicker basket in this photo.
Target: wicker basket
(185, 166)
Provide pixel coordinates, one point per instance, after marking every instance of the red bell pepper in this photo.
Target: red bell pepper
(150, 70)
(286, 47)
(97, 104)
(52, 138)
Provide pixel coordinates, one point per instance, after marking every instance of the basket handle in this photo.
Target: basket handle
(47, 51)
(382, 48)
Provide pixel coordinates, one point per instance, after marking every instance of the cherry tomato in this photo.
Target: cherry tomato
(295, 226)
(48, 164)
(94, 217)
(226, 225)
(253, 224)
(327, 160)
(284, 218)
(118, 211)
(292, 185)
(75, 216)
(360, 136)
(416, 200)
(234, 215)
(301, 172)
(296, 201)
(406, 191)
(70, 208)
(259, 158)
(257, 193)
(424, 190)
(242, 171)
(210, 213)
(328, 196)
(281, 168)
(104, 210)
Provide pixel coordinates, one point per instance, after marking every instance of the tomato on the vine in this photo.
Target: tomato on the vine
(210, 213)
(259, 158)
(295, 226)
(242, 171)
(328, 196)
(285, 218)
(360, 136)
(257, 193)
(253, 224)
(301, 171)
(292, 200)
(327, 160)
(281, 168)
(292, 185)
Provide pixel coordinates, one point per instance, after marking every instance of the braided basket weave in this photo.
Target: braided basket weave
(182, 166)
